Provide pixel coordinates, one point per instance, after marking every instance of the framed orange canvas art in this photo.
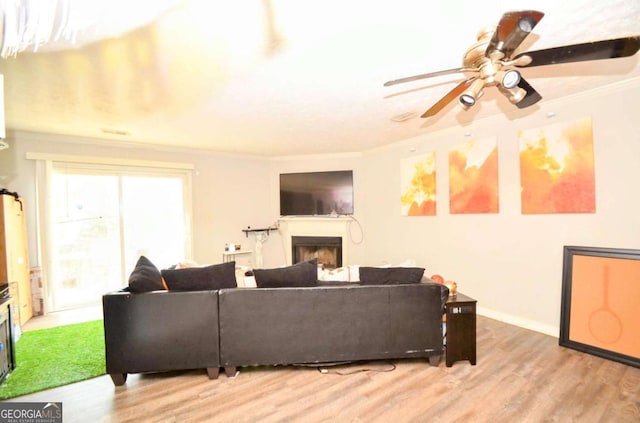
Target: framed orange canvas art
(473, 177)
(600, 311)
(557, 168)
(418, 180)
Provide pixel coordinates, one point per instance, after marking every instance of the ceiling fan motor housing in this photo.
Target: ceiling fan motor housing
(475, 55)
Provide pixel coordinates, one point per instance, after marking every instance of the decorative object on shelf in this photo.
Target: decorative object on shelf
(437, 278)
(261, 235)
(453, 287)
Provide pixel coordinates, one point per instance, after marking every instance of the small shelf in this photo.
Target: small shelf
(229, 255)
(236, 253)
(267, 230)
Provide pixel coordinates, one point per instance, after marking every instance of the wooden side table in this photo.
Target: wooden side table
(461, 329)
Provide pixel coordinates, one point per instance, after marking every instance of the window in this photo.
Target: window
(99, 219)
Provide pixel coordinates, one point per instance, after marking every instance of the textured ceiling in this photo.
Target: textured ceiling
(290, 77)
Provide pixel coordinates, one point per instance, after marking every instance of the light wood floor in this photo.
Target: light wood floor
(66, 317)
(520, 376)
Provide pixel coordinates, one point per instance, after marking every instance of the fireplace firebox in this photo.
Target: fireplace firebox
(327, 249)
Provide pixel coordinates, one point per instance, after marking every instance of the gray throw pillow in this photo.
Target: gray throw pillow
(299, 275)
(216, 276)
(145, 277)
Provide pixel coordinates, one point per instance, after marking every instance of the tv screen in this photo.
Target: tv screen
(316, 193)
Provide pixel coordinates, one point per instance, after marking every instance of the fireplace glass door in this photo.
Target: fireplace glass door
(327, 249)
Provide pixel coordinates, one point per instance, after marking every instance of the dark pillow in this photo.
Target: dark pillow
(298, 275)
(216, 276)
(390, 275)
(145, 277)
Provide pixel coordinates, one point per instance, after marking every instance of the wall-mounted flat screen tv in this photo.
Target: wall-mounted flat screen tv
(316, 193)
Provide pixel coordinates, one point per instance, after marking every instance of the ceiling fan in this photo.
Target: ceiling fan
(492, 62)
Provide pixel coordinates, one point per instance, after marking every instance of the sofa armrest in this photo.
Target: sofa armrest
(160, 331)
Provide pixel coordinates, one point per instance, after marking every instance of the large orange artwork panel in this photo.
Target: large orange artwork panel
(557, 168)
(605, 303)
(473, 177)
(418, 180)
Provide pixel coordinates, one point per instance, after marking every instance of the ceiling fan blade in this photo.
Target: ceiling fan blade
(428, 75)
(532, 96)
(512, 30)
(454, 93)
(597, 50)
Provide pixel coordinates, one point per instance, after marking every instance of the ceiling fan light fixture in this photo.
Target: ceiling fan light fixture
(472, 94)
(510, 79)
(467, 100)
(515, 94)
(526, 24)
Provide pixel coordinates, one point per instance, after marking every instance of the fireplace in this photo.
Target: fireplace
(327, 249)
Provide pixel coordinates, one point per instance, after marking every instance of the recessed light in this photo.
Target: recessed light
(550, 115)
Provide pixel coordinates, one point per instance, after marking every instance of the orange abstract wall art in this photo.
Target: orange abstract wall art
(605, 295)
(473, 177)
(418, 180)
(557, 168)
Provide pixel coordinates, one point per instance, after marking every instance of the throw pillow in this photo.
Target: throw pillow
(390, 275)
(216, 276)
(341, 274)
(299, 275)
(145, 277)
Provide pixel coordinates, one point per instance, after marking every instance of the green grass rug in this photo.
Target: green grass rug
(48, 358)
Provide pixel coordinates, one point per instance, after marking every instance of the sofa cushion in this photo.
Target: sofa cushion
(390, 275)
(299, 275)
(145, 277)
(216, 276)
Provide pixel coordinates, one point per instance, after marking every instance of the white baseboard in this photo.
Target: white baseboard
(519, 321)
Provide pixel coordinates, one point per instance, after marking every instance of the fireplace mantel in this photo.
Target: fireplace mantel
(315, 226)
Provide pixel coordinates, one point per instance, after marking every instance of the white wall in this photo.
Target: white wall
(512, 263)
(229, 192)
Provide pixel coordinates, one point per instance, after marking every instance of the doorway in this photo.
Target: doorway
(101, 221)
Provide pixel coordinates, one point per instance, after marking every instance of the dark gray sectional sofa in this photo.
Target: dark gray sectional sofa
(233, 327)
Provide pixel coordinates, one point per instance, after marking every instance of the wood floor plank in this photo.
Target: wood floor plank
(520, 376)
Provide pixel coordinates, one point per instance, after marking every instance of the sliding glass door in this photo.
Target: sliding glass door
(101, 220)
